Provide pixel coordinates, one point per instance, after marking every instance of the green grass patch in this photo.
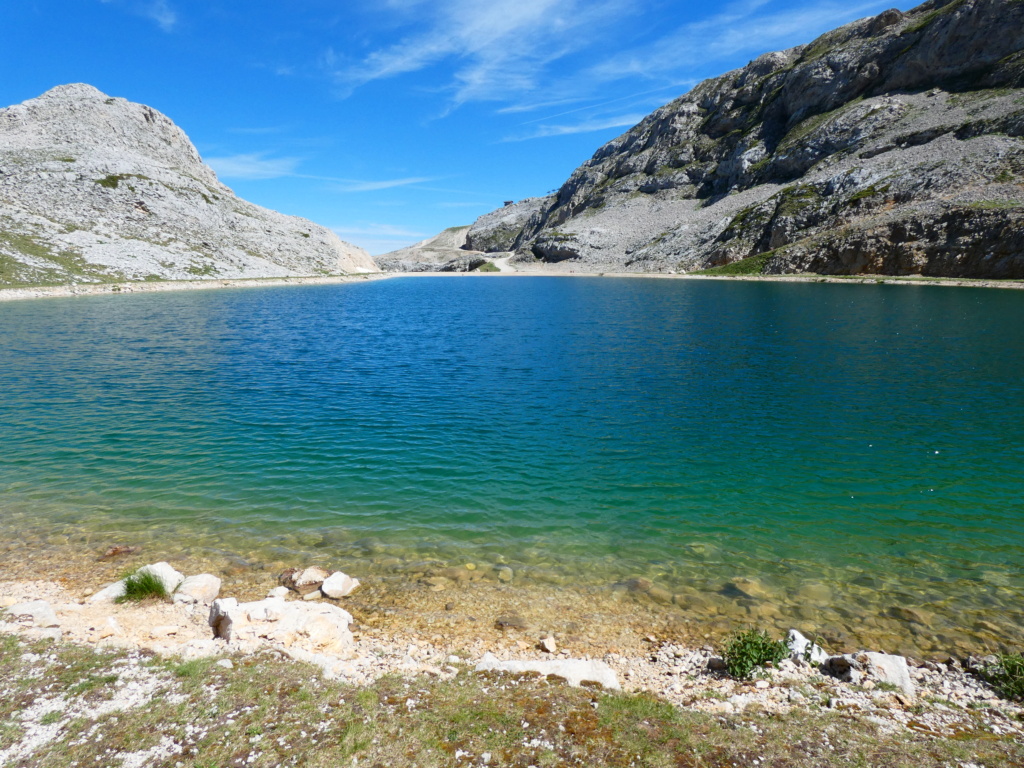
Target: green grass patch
(1007, 676)
(114, 180)
(752, 265)
(749, 650)
(488, 266)
(995, 205)
(867, 192)
(142, 585)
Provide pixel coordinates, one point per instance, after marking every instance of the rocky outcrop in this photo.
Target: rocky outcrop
(96, 189)
(318, 628)
(892, 145)
(497, 231)
(446, 252)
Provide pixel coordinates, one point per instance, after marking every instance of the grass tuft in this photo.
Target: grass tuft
(143, 586)
(751, 649)
(1007, 676)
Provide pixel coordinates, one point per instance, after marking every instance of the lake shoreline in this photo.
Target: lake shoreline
(14, 293)
(935, 699)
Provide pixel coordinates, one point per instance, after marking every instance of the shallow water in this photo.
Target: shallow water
(846, 452)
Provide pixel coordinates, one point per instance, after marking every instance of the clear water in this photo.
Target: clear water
(855, 449)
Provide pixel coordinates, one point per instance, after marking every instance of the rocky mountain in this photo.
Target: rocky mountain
(94, 188)
(892, 145)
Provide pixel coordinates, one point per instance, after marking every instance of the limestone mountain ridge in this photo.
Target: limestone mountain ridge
(97, 189)
(891, 145)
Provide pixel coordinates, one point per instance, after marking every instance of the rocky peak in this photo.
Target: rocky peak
(95, 188)
(79, 115)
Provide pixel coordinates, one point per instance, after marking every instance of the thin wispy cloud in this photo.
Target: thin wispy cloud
(255, 165)
(159, 11)
(588, 126)
(354, 185)
(379, 230)
(748, 27)
(499, 49)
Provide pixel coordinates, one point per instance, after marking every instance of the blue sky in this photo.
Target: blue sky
(389, 121)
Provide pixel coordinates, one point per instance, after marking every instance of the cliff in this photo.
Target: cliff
(94, 188)
(892, 145)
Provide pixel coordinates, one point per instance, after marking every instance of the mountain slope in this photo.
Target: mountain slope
(94, 188)
(890, 145)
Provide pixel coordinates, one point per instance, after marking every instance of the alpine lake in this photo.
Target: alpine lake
(695, 456)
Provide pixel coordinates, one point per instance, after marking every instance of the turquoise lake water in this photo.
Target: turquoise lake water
(852, 447)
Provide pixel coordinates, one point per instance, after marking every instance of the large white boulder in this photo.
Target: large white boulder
(203, 588)
(890, 669)
(312, 627)
(37, 612)
(575, 671)
(339, 584)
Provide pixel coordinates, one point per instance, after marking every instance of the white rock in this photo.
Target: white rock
(38, 612)
(170, 578)
(312, 575)
(278, 592)
(7, 601)
(891, 669)
(203, 588)
(575, 671)
(109, 593)
(547, 644)
(226, 663)
(339, 584)
(311, 627)
(802, 648)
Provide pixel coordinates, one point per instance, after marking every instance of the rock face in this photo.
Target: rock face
(94, 188)
(497, 231)
(892, 145)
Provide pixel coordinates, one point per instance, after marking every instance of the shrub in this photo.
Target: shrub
(751, 649)
(143, 586)
(1006, 676)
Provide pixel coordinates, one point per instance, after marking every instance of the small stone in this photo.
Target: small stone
(316, 595)
(7, 602)
(278, 593)
(639, 585)
(717, 664)
(163, 631)
(470, 566)
(449, 606)
(762, 684)
(548, 645)
(226, 663)
(511, 621)
(505, 574)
